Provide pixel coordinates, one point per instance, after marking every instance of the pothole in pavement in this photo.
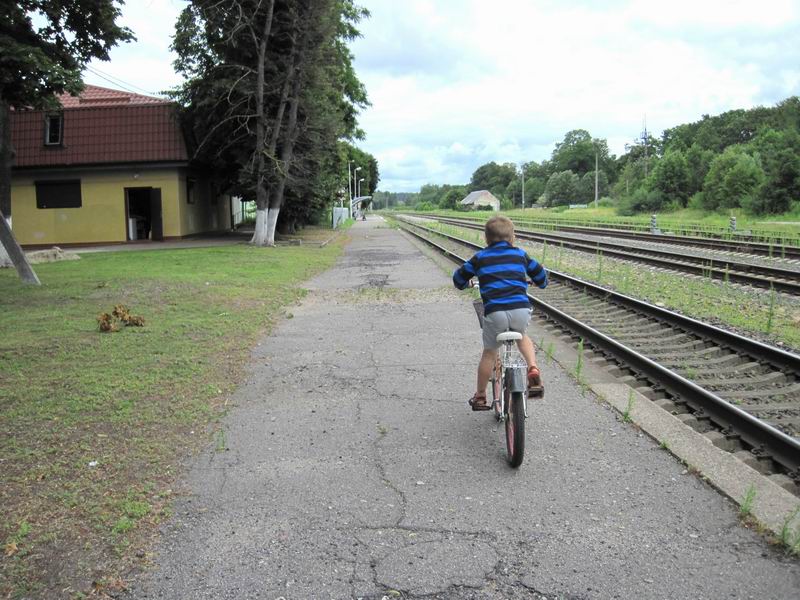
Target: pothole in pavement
(432, 567)
(377, 280)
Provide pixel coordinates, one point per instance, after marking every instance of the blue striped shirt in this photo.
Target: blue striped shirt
(502, 271)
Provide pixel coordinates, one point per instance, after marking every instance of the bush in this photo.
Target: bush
(696, 202)
(606, 202)
(733, 180)
(641, 200)
(424, 207)
(506, 204)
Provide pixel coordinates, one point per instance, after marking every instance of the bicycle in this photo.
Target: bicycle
(509, 382)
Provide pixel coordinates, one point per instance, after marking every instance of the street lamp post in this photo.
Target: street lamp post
(349, 182)
(359, 187)
(355, 174)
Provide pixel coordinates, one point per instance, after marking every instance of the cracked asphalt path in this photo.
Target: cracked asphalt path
(354, 468)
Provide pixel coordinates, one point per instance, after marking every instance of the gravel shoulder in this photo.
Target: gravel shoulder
(351, 467)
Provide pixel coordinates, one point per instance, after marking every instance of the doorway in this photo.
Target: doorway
(143, 219)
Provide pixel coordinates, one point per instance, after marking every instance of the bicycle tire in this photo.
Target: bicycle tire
(515, 429)
(497, 389)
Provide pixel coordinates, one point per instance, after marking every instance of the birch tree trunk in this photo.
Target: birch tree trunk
(287, 152)
(262, 197)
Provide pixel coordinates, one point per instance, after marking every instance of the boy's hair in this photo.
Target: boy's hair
(499, 229)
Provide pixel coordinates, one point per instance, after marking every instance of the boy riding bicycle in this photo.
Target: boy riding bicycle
(501, 270)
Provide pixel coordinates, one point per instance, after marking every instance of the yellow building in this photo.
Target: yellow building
(109, 167)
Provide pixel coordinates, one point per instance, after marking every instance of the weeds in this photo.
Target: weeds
(771, 312)
(549, 352)
(626, 415)
(220, 445)
(790, 536)
(746, 507)
(579, 363)
(599, 264)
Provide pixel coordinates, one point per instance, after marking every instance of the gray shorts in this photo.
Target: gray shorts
(504, 320)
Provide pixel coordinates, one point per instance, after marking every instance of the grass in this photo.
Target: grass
(780, 229)
(579, 363)
(93, 425)
(626, 415)
(746, 506)
(790, 534)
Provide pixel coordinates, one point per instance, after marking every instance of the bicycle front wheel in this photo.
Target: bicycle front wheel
(515, 429)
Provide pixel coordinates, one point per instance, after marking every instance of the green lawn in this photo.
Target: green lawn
(93, 425)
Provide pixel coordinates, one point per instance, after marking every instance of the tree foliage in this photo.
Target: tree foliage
(270, 93)
(562, 189)
(734, 178)
(44, 46)
(754, 154)
(671, 177)
(493, 177)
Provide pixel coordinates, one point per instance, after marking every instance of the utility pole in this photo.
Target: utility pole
(645, 146)
(595, 179)
(523, 184)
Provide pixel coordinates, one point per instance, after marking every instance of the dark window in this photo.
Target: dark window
(191, 191)
(53, 129)
(58, 194)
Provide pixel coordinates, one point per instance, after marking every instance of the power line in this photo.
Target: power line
(119, 82)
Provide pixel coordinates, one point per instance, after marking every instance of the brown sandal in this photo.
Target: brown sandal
(535, 387)
(478, 402)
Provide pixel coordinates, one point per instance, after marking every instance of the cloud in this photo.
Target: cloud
(144, 65)
(457, 83)
(506, 82)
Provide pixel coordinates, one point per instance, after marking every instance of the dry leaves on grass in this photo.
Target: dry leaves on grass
(120, 314)
(11, 549)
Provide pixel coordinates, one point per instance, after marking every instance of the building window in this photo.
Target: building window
(191, 191)
(53, 129)
(58, 194)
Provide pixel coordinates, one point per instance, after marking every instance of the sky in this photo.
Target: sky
(454, 84)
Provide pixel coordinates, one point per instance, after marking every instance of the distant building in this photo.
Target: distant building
(481, 198)
(108, 167)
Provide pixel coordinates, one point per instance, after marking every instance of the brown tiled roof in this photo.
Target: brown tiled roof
(93, 95)
(101, 126)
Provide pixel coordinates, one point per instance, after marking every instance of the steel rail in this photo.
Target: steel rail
(762, 437)
(712, 243)
(782, 280)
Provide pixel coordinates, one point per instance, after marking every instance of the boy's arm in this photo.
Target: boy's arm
(536, 272)
(464, 273)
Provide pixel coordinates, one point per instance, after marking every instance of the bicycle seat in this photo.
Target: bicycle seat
(508, 336)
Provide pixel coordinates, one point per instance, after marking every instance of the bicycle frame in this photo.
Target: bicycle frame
(513, 375)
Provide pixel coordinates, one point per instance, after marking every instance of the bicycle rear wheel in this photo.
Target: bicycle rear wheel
(497, 389)
(515, 429)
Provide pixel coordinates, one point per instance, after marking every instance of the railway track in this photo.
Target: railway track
(778, 248)
(742, 394)
(723, 268)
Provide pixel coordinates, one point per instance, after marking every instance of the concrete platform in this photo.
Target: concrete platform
(354, 469)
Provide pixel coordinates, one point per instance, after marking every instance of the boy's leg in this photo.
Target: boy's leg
(485, 367)
(535, 388)
(525, 346)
